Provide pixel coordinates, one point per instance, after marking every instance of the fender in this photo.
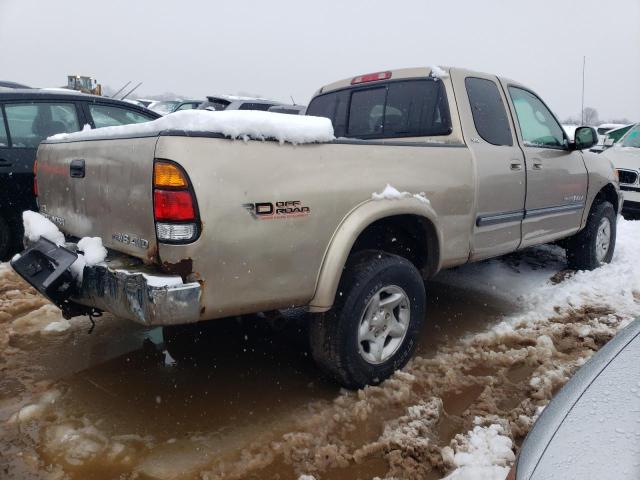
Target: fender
(343, 239)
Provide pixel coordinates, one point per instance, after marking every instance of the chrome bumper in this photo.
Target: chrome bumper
(128, 294)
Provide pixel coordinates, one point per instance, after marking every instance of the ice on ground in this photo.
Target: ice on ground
(392, 193)
(59, 326)
(484, 453)
(245, 124)
(37, 226)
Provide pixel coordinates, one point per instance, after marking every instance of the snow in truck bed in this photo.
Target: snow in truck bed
(243, 124)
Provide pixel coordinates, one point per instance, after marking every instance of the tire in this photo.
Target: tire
(340, 341)
(586, 249)
(6, 240)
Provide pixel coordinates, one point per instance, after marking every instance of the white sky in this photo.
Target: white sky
(279, 48)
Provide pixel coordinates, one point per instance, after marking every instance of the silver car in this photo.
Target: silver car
(591, 429)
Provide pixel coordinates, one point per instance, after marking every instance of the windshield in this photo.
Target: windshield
(164, 107)
(632, 139)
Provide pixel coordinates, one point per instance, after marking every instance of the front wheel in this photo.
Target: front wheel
(373, 328)
(595, 244)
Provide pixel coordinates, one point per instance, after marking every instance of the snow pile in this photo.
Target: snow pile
(438, 72)
(90, 249)
(484, 453)
(243, 124)
(36, 226)
(391, 193)
(59, 326)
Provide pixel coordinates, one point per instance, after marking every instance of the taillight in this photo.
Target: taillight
(35, 178)
(371, 77)
(174, 205)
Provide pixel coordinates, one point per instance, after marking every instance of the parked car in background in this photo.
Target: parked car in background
(188, 105)
(164, 107)
(625, 156)
(28, 116)
(590, 428)
(232, 102)
(290, 109)
(7, 84)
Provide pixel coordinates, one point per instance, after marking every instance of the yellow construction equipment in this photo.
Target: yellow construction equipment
(84, 84)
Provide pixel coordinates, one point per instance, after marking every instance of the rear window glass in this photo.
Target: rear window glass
(410, 108)
(110, 116)
(30, 123)
(489, 113)
(255, 106)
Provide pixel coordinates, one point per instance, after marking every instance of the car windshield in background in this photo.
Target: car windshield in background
(408, 108)
(632, 138)
(164, 107)
(109, 116)
(214, 104)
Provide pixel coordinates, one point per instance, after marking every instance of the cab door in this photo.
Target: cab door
(556, 176)
(500, 177)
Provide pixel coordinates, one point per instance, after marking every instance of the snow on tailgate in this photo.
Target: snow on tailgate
(243, 124)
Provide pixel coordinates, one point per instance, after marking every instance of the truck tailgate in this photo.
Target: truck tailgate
(101, 188)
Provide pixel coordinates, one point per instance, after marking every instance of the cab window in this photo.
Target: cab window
(4, 141)
(487, 108)
(538, 126)
(30, 123)
(110, 116)
(407, 108)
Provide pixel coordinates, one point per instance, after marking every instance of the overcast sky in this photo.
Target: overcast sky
(283, 48)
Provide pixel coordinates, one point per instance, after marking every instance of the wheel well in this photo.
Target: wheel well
(607, 194)
(410, 236)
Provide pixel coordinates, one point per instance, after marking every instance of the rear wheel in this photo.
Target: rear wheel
(373, 328)
(595, 244)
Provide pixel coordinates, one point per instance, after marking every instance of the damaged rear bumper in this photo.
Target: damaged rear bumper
(128, 291)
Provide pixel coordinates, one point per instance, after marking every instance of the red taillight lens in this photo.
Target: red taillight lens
(173, 205)
(35, 178)
(371, 77)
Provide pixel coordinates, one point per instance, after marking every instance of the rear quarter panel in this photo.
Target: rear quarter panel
(247, 264)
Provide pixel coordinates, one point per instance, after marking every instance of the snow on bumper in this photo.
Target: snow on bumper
(137, 296)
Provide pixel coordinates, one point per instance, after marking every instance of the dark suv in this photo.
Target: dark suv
(28, 116)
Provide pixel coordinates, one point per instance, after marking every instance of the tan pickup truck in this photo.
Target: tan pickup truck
(431, 168)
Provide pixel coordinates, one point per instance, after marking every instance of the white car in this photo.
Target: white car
(625, 156)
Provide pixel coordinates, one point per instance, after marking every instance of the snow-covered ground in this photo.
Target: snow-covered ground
(457, 412)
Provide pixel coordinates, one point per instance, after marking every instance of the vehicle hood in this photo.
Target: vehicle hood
(624, 157)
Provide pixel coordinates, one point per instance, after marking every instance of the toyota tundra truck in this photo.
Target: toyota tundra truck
(430, 168)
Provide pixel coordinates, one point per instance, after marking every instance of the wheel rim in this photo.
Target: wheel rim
(603, 239)
(384, 324)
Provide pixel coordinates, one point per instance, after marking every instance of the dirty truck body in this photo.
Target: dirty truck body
(278, 225)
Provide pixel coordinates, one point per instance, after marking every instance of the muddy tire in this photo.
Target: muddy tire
(5, 239)
(374, 325)
(595, 244)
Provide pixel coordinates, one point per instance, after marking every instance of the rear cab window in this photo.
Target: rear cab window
(394, 109)
(488, 111)
(30, 123)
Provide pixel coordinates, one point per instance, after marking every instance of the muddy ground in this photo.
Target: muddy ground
(113, 404)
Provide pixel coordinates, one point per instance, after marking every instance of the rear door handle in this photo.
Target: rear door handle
(537, 165)
(76, 169)
(516, 165)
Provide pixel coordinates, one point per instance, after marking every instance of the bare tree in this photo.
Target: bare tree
(590, 116)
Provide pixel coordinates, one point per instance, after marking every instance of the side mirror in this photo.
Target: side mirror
(585, 138)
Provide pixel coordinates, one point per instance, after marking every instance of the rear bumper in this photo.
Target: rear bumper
(128, 291)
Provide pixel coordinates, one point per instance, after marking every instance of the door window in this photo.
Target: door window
(30, 123)
(538, 126)
(110, 116)
(487, 108)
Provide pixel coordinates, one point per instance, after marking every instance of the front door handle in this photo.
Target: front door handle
(76, 169)
(537, 165)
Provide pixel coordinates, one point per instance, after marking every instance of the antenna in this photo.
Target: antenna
(584, 62)
(131, 91)
(125, 86)
(292, 100)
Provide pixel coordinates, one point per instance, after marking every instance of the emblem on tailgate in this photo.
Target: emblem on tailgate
(275, 210)
(129, 239)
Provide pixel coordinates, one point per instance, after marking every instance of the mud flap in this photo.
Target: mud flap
(46, 267)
